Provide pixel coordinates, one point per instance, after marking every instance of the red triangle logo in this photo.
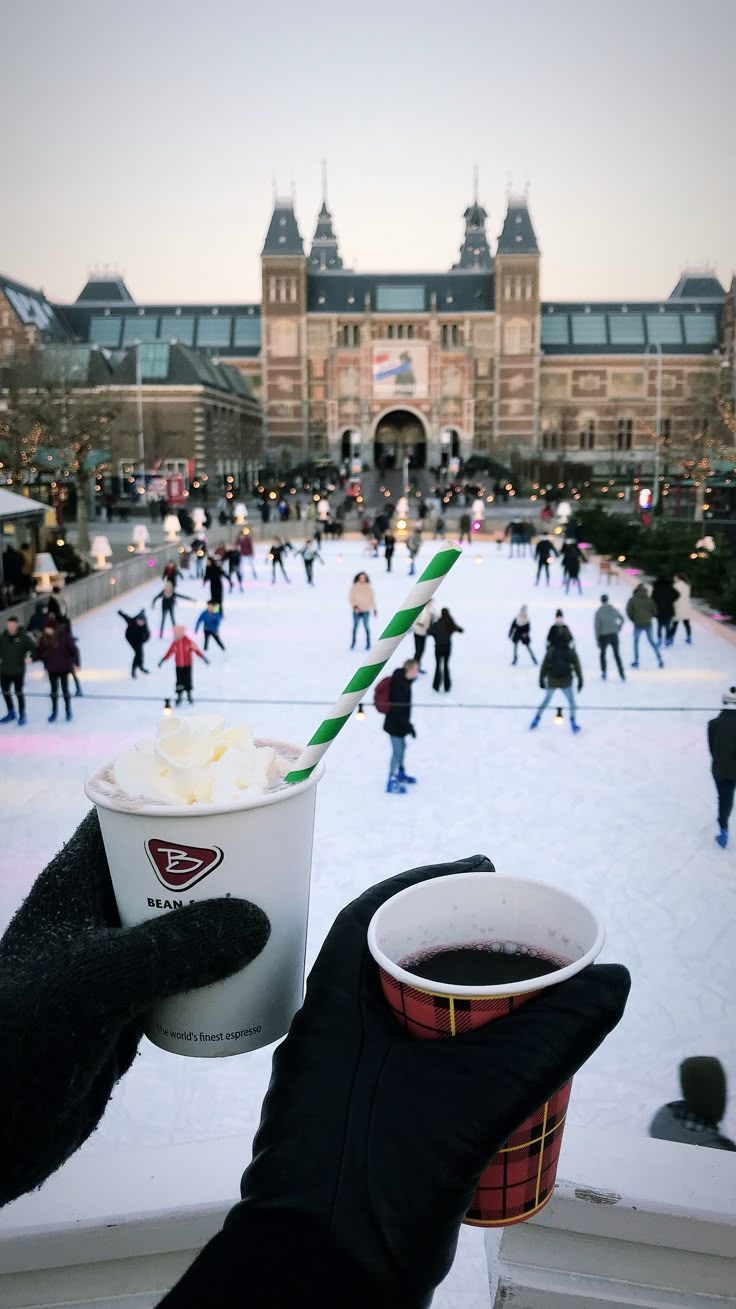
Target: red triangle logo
(179, 867)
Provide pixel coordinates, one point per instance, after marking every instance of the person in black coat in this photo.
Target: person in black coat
(398, 724)
(572, 558)
(543, 553)
(214, 577)
(722, 746)
(389, 545)
(136, 634)
(664, 596)
(442, 630)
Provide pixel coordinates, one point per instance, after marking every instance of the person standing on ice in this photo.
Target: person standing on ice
(398, 725)
(520, 633)
(309, 552)
(182, 648)
(664, 597)
(136, 634)
(245, 546)
(15, 647)
(214, 577)
(60, 655)
(640, 609)
(442, 631)
(572, 557)
(559, 665)
(389, 545)
(362, 602)
(276, 555)
(168, 597)
(232, 558)
(543, 553)
(607, 624)
(722, 746)
(421, 629)
(683, 609)
(559, 630)
(414, 545)
(210, 619)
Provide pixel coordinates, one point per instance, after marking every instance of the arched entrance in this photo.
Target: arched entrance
(399, 434)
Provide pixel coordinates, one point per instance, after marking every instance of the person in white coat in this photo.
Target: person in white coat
(421, 629)
(683, 609)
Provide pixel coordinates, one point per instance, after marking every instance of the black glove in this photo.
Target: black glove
(413, 732)
(73, 987)
(206, 660)
(371, 1143)
(160, 663)
(580, 687)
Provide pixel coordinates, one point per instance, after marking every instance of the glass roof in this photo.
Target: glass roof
(105, 331)
(626, 329)
(177, 327)
(399, 299)
(589, 329)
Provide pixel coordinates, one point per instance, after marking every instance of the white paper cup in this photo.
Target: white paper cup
(163, 857)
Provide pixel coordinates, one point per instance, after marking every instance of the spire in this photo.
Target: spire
(475, 253)
(283, 236)
(324, 256)
(517, 235)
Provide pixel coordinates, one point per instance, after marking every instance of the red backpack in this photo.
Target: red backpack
(382, 695)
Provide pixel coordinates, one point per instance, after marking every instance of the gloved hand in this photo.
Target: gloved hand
(413, 732)
(206, 660)
(74, 985)
(371, 1143)
(580, 687)
(160, 663)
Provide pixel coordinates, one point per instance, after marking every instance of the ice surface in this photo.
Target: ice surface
(623, 814)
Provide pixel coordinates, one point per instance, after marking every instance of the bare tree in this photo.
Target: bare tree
(20, 434)
(707, 434)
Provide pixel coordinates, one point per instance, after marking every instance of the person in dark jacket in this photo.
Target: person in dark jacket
(276, 555)
(15, 647)
(56, 604)
(442, 631)
(640, 609)
(210, 619)
(346, 1080)
(543, 553)
(233, 560)
(389, 545)
(398, 725)
(214, 578)
(722, 746)
(695, 1119)
(560, 630)
(37, 621)
(136, 634)
(60, 655)
(558, 666)
(572, 558)
(168, 597)
(664, 597)
(520, 633)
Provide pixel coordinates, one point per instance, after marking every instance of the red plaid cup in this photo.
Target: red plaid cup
(493, 910)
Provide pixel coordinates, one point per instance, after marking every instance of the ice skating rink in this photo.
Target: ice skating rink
(623, 814)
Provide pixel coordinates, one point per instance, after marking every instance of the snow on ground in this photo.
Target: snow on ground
(623, 814)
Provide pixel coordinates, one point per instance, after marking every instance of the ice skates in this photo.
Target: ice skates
(394, 786)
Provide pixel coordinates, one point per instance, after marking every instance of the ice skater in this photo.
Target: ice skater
(60, 655)
(722, 746)
(276, 555)
(520, 633)
(15, 648)
(560, 630)
(398, 725)
(182, 648)
(572, 558)
(168, 597)
(245, 546)
(664, 598)
(214, 577)
(421, 629)
(199, 550)
(309, 552)
(136, 634)
(389, 545)
(543, 553)
(232, 558)
(362, 601)
(558, 666)
(683, 610)
(171, 573)
(414, 545)
(210, 619)
(442, 631)
(640, 609)
(607, 624)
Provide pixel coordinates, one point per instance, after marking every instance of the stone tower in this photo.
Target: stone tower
(517, 319)
(284, 330)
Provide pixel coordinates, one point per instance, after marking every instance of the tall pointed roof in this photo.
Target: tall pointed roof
(475, 252)
(324, 257)
(283, 236)
(517, 235)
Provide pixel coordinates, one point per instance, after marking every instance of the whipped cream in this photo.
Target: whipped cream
(198, 760)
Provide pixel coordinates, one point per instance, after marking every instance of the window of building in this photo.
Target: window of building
(624, 433)
(247, 331)
(177, 327)
(529, 288)
(507, 288)
(105, 331)
(587, 434)
(410, 332)
(351, 334)
(665, 428)
(400, 299)
(272, 289)
(517, 337)
(139, 329)
(626, 329)
(214, 330)
(588, 329)
(664, 329)
(154, 361)
(700, 329)
(390, 331)
(399, 331)
(555, 329)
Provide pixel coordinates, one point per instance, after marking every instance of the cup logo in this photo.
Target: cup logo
(179, 867)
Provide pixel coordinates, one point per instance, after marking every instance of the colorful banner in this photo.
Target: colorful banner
(400, 372)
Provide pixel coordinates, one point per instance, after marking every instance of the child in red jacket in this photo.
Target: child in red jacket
(183, 647)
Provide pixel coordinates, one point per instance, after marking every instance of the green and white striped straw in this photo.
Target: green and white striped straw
(390, 638)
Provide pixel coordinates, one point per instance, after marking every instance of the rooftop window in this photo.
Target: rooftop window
(626, 329)
(247, 331)
(664, 329)
(589, 329)
(399, 299)
(555, 330)
(139, 329)
(105, 331)
(214, 330)
(178, 327)
(154, 358)
(700, 329)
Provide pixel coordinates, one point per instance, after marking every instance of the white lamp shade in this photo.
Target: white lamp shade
(141, 532)
(171, 523)
(44, 564)
(100, 546)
